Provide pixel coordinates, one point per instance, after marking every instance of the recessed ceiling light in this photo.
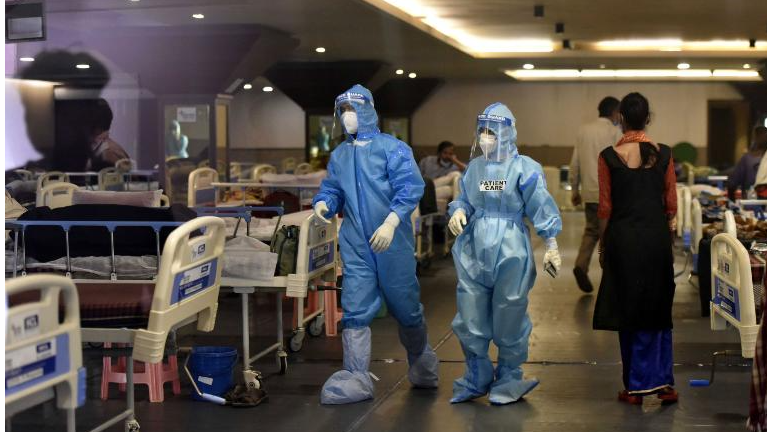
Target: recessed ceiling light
(602, 66)
(27, 59)
(198, 16)
(528, 66)
(320, 49)
(267, 89)
(746, 66)
(134, 1)
(683, 66)
(634, 74)
(399, 72)
(83, 66)
(248, 86)
(411, 75)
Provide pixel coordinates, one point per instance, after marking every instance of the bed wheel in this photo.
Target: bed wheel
(282, 362)
(297, 340)
(317, 326)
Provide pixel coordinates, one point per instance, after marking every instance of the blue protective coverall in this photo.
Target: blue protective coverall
(370, 175)
(494, 261)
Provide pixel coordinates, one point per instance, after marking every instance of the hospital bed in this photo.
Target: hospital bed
(184, 290)
(25, 175)
(55, 195)
(204, 192)
(305, 185)
(316, 264)
(43, 352)
(51, 177)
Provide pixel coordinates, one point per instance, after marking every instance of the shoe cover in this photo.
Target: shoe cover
(475, 382)
(422, 361)
(509, 387)
(353, 384)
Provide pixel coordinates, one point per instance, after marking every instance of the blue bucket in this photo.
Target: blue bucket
(211, 368)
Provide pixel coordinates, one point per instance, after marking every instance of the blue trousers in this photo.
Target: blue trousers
(648, 364)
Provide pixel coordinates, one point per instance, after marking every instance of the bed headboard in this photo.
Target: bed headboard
(187, 285)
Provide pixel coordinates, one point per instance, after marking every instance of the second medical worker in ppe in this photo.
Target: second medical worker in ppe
(374, 179)
(494, 259)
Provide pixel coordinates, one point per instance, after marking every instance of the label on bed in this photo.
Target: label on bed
(25, 325)
(492, 185)
(320, 256)
(727, 298)
(32, 364)
(193, 281)
(198, 250)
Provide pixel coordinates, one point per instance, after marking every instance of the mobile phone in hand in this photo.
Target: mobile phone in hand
(549, 268)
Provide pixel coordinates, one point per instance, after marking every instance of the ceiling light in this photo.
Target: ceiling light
(83, 66)
(411, 75)
(683, 66)
(267, 89)
(198, 16)
(528, 66)
(248, 86)
(320, 49)
(676, 45)
(478, 46)
(134, 1)
(633, 74)
(602, 66)
(399, 72)
(746, 66)
(27, 59)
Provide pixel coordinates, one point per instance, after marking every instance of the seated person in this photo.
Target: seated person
(104, 152)
(442, 168)
(176, 143)
(751, 170)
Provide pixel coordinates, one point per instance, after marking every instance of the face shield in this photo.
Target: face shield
(346, 111)
(493, 138)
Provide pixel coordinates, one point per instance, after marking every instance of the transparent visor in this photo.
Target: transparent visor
(491, 139)
(345, 115)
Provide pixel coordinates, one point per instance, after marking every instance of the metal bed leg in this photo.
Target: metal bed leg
(71, 425)
(131, 425)
(297, 341)
(282, 356)
(245, 333)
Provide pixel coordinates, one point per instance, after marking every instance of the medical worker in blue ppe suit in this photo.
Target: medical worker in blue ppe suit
(374, 179)
(494, 259)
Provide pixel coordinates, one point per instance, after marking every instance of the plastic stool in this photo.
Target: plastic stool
(152, 375)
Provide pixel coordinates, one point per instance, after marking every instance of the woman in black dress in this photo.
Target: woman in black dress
(637, 211)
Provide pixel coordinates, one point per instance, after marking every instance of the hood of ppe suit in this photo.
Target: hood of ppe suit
(505, 134)
(362, 100)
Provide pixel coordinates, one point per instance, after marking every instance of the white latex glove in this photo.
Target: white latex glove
(320, 209)
(552, 255)
(457, 222)
(383, 236)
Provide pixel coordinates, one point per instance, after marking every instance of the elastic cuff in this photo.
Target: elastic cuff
(551, 243)
(392, 219)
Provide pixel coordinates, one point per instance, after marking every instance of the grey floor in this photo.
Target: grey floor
(579, 371)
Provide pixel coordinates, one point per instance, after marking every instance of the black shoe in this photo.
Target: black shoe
(583, 280)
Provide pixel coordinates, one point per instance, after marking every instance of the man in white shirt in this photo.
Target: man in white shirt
(592, 139)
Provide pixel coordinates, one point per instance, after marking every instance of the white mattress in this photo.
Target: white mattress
(94, 267)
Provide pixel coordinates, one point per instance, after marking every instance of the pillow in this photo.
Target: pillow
(132, 198)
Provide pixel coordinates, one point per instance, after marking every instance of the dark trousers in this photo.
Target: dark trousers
(590, 238)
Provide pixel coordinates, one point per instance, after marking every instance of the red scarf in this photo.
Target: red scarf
(633, 136)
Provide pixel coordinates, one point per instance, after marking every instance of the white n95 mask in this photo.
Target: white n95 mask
(487, 143)
(349, 120)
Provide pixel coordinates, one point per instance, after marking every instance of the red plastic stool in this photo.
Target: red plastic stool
(152, 375)
(332, 314)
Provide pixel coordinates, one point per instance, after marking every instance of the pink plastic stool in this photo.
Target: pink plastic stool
(152, 375)
(332, 313)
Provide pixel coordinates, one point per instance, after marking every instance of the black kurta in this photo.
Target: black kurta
(637, 288)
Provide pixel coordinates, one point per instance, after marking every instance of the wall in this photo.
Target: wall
(29, 121)
(549, 114)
